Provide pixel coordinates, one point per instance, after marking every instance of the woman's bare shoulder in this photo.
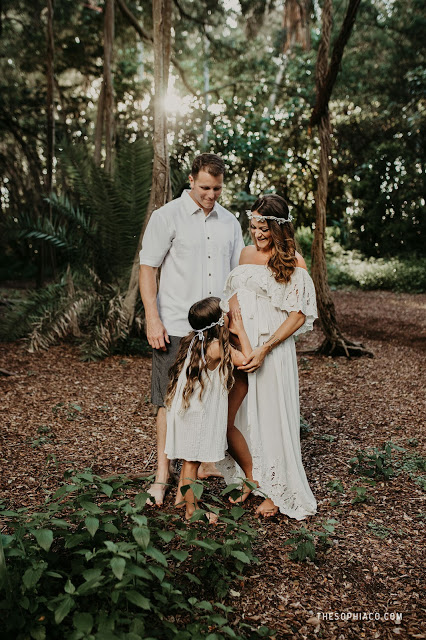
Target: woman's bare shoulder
(247, 254)
(300, 261)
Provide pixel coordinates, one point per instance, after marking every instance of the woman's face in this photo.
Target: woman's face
(260, 233)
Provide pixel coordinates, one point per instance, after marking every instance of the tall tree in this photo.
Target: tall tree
(161, 191)
(105, 116)
(326, 74)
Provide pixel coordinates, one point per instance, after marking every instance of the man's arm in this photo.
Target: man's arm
(155, 330)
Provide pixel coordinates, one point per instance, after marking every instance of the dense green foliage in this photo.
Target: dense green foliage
(94, 563)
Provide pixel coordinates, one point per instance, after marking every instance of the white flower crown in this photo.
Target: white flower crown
(260, 218)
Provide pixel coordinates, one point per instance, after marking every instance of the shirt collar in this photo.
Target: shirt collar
(192, 207)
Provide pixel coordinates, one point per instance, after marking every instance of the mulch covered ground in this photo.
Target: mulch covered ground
(98, 415)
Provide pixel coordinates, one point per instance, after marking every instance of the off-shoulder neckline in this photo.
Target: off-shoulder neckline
(251, 264)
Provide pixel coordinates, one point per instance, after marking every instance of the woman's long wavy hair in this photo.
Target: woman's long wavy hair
(283, 261)
(201, 314)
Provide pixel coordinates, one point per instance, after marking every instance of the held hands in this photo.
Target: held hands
(156, 334)
(254, 360)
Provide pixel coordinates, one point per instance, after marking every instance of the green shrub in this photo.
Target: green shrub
(303, 541)
(375, 463)
(94, 563)
(350, 268)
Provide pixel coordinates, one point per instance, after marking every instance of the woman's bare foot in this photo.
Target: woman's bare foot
(157, 490)
(208, 470)
(245, 492)
(267, 509)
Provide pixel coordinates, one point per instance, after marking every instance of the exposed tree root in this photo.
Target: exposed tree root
(340, 346)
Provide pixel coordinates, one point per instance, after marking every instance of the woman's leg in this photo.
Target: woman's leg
(237, 445)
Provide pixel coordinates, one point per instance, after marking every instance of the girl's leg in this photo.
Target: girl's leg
(189, 475)
(237, 445)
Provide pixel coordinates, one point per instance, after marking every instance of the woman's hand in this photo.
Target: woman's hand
(254, 360)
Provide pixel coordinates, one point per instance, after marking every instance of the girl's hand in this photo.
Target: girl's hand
(254, 360)
(236, 324)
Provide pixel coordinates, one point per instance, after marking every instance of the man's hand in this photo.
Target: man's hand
(156, 334)
(254, 360)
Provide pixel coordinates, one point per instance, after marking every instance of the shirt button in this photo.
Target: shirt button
(210, 274)
(208, 237)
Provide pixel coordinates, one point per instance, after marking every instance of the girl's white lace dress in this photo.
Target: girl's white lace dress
(269, 417)
(198, 433)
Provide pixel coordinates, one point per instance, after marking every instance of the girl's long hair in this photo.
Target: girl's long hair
(283, 261)
(200, 315)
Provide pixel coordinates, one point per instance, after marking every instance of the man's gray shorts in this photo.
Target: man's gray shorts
(161, 363)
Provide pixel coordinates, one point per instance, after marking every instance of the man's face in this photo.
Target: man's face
(206, 189)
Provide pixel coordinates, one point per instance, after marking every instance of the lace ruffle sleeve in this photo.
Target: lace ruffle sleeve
(296, 295)
(228, 292)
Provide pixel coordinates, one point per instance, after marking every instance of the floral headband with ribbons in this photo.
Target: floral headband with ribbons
(199, 333)
(260, 218)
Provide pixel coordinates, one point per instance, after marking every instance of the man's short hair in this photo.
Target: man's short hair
(209, 162)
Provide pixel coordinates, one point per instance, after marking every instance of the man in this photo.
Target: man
(196, 242)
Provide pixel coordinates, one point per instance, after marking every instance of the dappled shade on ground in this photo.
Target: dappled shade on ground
(57, 408)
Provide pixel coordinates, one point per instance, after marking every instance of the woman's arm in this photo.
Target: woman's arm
(294, 321)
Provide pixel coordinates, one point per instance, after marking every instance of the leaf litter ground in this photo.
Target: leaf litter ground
(98, 415)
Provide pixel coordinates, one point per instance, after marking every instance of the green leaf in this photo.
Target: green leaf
(31, 577)
(204, 604)
(63, 609)
(38, 633)
(110, 528)
(91, 507)
(179, 554)
(157, 555)
(210, 546)
(69, 587)
(167, 536)
(118, 566)
(158, 572)
(218, 619)
(237, 512)
(106, 489)
(140, 499)
(139, 600)
(92, 525)
(142, 536)
(83, 622)
(240, 555)
(193, 579)
(44, 538)
(92, 574)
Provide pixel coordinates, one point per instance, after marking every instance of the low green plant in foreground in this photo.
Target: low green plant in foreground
(306, 543)
(95, 564)
(375, 463)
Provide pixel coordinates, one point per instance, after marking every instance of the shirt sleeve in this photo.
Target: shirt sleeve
(238, 245)
(156, 241)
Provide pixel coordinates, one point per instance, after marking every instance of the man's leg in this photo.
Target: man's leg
(161, 363)
(158, 488)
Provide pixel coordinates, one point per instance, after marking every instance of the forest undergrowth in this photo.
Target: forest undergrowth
(354, 570)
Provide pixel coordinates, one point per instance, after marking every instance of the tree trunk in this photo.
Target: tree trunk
(296, 23)
(50, 151)
(109, 90)
(99, 126)
(161, 191)
(335, 343)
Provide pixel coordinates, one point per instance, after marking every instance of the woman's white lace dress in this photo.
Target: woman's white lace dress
(198, 433)
(269, 417)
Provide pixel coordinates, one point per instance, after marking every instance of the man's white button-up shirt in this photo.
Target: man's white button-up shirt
(196, 253)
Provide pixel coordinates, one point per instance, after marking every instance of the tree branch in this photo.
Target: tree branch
(323, 96)
(148, 38)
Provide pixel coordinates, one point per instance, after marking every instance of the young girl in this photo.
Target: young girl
(197, 396)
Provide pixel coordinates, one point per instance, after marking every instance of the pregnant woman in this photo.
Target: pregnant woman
(276, 296)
